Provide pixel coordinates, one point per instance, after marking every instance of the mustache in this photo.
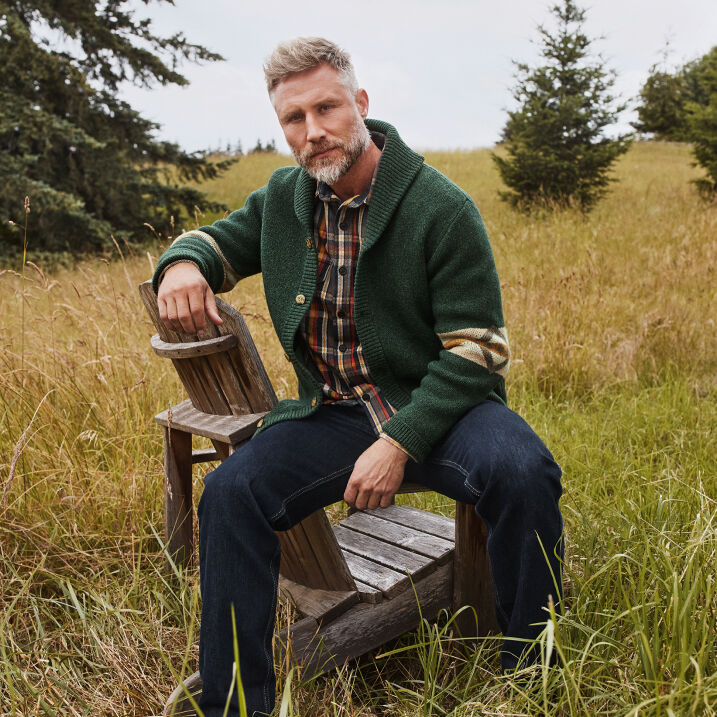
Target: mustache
(315, 149)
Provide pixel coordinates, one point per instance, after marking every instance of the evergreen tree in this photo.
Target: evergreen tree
(662, 106)
(557, 152)
(666, 96)
(702, 120)
(90, 163)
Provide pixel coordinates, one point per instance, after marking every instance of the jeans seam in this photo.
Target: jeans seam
(270, 658)
(457, 466)
(315, 483)
(451, 464)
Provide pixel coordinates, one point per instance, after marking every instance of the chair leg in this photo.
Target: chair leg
(472, 581)
(224, 450)
(178, 508)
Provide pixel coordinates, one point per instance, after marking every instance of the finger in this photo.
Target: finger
(210, 305)
(196, 309)
(386, 500)
(361, 500)
(350, 494)
(374, 500)
(184, 317)
(162, 308)
(172, 314)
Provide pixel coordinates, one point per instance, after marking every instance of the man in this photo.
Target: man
(382, 288)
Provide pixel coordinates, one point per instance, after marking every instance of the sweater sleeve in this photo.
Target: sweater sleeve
(468, 320)
(226, 251)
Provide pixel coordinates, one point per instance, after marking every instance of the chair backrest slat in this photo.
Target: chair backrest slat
(234, 381)
(224, 383)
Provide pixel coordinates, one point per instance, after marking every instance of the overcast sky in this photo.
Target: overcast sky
(440, 71)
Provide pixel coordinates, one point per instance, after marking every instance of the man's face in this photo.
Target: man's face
(322, 122)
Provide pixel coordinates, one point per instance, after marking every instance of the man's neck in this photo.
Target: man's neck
(360, 174)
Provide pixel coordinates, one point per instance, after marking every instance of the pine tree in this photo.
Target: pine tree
(557, 152)
(662, 106)
(90, 163)
(702, 120)
(666, 96)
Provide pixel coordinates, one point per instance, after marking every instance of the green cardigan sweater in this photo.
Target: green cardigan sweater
(427, 297)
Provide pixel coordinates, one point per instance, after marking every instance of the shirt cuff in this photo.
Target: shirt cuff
(394, 442)
(169, 266)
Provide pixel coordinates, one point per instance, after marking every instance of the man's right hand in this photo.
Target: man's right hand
(183, 297)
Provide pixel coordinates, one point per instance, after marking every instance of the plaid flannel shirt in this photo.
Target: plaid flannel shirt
(328, 328)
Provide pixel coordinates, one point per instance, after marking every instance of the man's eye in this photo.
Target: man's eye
(326, 107)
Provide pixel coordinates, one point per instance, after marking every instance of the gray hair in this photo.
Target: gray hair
(305, 53)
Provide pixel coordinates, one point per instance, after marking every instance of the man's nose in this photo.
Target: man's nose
(314, 130)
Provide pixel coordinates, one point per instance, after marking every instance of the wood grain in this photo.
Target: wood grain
(225, 429)
(389, 582)
(311, 555)
(318, 604)
(378, 551)
(422, 520)
(473, 584)
(409, 538)
(190, 349)
(178, 508)
(365, 626)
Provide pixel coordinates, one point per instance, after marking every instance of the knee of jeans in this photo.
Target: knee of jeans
(529, 480)
(227, 488)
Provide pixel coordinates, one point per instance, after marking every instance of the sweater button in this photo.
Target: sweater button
(300, 299)
(313, 402)
(260, 423)
(308, 243)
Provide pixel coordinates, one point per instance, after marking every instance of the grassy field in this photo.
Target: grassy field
(612, 324)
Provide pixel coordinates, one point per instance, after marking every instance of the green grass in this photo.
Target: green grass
(611, 319)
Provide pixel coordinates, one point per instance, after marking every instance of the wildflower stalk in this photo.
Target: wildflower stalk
(22, 333)
(24, 262)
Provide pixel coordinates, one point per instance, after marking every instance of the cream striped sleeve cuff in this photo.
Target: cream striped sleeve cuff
(230, 276)
(486, 347)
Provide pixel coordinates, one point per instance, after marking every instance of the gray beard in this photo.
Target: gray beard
(330, 170)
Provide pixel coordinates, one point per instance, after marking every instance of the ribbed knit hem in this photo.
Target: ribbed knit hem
(401, 432)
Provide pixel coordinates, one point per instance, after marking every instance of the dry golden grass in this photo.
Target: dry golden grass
(611, 318)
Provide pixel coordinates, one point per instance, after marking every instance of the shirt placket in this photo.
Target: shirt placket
(343, 295)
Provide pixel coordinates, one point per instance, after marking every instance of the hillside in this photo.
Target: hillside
(611, 319)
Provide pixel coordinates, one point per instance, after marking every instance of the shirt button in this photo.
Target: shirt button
(343, 226)
(366, 397)
(300, 299)
(340, 314)
(342, 347)
(308, 244)
(313, 402)
(342, 270)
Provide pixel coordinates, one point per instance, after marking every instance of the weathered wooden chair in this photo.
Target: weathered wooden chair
(355, 585)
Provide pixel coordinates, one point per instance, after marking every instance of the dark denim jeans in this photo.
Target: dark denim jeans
(491, 458)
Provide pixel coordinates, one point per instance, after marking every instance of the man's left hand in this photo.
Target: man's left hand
(377, 475)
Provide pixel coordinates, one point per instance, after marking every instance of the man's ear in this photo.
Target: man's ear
(362, 103)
